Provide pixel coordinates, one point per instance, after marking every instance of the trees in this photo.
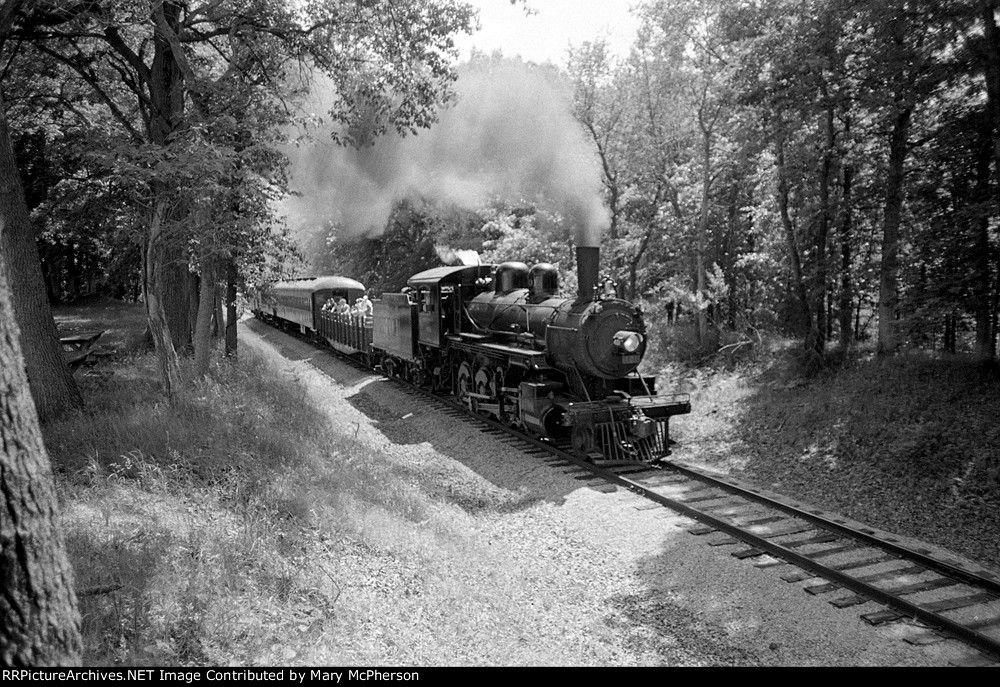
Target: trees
(663, 122)
(777, 152)
(795, 75)
(52, 385)
(39, 622)
(821, 154)
(636, 113)
(198, 91)
(987, 50)
(901, 70)
(919, 77)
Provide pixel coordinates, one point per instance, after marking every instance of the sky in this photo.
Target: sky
(545, 35)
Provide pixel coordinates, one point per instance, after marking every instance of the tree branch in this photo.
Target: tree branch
(91, 79)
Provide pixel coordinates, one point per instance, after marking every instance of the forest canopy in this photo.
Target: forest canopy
(827, 169)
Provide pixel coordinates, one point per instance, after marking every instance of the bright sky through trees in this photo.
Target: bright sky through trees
(555, 24)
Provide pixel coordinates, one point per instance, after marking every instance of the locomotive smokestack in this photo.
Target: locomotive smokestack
(588, 260)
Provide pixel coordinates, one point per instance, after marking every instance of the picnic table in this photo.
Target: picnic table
(78, 347)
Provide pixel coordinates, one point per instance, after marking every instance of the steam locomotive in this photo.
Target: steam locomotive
(501, 339)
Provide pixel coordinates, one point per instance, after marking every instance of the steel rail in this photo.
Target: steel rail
(928, 561)
(765, 545)
(891, 600)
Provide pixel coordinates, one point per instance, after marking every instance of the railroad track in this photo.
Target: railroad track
(848, 563)
(835, 558)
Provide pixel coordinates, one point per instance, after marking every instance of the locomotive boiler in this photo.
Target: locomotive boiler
(594, 338)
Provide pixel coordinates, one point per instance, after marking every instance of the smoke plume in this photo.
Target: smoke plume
(451, 256)
(510, 136)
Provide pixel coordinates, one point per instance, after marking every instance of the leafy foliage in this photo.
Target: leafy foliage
(806, 149)
(194, 98)
(785, 165)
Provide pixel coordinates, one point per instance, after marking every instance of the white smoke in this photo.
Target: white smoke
(510, 136)
(452, 256)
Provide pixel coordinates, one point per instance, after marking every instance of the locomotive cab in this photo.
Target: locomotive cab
(440, 293)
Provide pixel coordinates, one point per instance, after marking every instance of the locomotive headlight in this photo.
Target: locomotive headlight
(628, 342)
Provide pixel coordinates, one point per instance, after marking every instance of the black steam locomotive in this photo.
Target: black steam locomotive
(502, 340)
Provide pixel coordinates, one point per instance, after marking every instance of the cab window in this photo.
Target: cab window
(425, 299)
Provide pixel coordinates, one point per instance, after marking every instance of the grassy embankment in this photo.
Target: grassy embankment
(910, 444)
(240, 527)
(227, 529)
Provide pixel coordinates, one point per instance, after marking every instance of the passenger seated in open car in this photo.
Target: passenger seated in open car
(363, 307)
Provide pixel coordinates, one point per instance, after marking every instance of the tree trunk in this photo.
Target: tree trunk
(152, 288)
(991, 70)
(798, 284)
(50, 379)
(633, 267)
(218, 321)
(231, 339)
(981, 286)
(991, 73)
(819, 286)
(166, 95)
(176, 292)
(193, 283)
(700, 280)
(888, 328)
(203, 325)
(846, 283)
(39, 621)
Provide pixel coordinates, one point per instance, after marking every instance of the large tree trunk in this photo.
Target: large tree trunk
(231, 339)
(888, 329)
(39, 621)
(203, 326)
(152, 288)
(51, 381)
(166, 94)
(178, 291)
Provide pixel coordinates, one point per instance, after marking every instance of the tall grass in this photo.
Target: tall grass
(188, 525)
